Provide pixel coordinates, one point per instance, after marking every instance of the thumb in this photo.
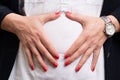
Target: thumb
(76, 17)
(49, 17)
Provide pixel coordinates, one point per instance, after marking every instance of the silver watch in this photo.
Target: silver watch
(109, 26)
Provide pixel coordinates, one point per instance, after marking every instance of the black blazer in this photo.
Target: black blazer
(9, 42)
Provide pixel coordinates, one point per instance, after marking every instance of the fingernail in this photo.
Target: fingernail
(68, 12)
(45, 69)
(32, 68)
(56, 56)
(67, 63)
(55, 65)
(77, 68)
(66, 56)
(93, 69)
(57, 13)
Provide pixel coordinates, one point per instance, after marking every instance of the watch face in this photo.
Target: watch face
(110, 29)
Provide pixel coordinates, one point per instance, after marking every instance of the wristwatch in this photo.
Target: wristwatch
(109, 26)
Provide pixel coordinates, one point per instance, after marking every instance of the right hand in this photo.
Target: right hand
(29, 30)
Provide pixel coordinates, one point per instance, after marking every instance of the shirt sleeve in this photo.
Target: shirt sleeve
(3, 12)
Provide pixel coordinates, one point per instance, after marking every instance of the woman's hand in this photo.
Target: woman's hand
(90, 40)
(31, 34)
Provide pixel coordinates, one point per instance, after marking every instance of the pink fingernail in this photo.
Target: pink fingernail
(77, 68)
(45, 69)
(67, 63)
(57, 57)
(32, 68)
(66, 56)
(55, 65)
(68, 12)
(93, 69)
(57, 13)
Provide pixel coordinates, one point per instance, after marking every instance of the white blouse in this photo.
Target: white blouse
(62, 33)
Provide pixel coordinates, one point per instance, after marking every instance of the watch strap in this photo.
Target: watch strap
(106, 19)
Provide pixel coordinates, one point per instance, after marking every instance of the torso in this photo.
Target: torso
(62, 33)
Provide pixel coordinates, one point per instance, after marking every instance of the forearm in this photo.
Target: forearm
(11, 22)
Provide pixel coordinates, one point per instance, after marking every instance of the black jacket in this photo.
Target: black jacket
(9, 42)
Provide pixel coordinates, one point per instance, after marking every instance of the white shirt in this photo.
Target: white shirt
(62, 33)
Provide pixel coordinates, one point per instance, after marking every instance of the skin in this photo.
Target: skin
(90, 40)
(29, 30)
(34, 41)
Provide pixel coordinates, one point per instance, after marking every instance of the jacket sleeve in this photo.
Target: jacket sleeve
(3, 12)
(116, 14)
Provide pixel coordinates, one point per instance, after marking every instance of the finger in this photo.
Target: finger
(38, 56)
(49, 17)
(96, 54)
(45, 53)
(75, 46)
(76, 17)
(29, 57)
(84, 58)
(78, 53)
(49, 46)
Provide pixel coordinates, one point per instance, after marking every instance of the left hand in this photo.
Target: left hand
(89, 42)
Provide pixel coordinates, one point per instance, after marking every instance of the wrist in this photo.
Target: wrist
(115, 22)
(10, 22)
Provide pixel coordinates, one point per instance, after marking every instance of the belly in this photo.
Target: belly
(62, 32)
